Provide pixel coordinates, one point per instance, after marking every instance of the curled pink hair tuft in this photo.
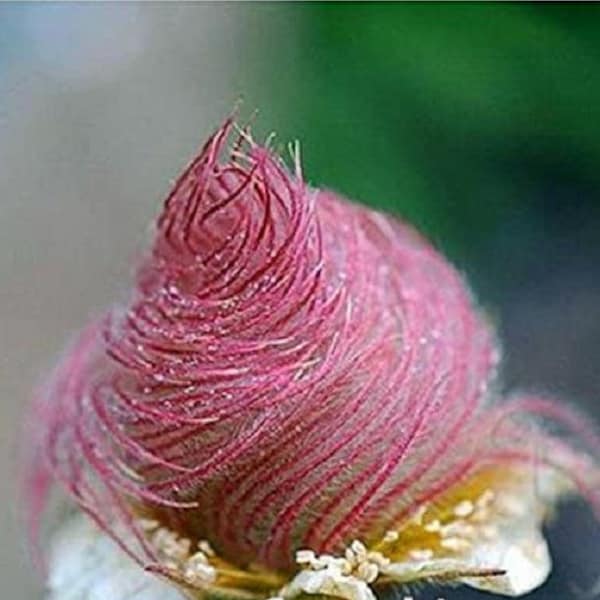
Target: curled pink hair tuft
(290, 370)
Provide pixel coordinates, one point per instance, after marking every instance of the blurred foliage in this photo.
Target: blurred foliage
(479, 123)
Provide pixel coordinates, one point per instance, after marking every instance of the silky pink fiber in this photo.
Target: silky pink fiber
(291, 370)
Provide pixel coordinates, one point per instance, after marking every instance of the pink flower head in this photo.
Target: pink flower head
(290, 371)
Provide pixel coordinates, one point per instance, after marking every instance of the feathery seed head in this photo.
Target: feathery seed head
(291, 373)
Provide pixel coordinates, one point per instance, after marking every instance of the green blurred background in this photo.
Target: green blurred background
(476, 122)
(479, 123)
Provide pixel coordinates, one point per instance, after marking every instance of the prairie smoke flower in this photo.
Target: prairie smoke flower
(297, 398)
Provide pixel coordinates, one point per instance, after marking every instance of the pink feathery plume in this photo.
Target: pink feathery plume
(290, 370)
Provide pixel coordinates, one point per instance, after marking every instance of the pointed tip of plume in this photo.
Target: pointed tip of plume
(291, 370)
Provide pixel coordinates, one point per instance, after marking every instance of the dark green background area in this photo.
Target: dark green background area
(480, 124)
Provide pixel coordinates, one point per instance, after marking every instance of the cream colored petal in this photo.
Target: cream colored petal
(85, 564)
(522, 552)
(519, 547)
(329, 582)
(508, 538)
(526, 563)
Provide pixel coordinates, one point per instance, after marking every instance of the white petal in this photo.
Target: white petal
(85, 564)
(527, 566)
(509, 540)
(329, 582)
(519, 549)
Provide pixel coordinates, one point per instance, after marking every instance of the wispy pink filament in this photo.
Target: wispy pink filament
(291, 370)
